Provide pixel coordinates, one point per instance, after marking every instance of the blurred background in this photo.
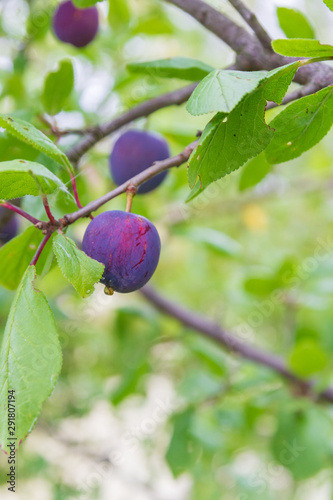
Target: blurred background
(144, 406)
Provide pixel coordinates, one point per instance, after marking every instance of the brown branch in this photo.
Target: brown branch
(238, 39)
(253, 22)
(213, 331)
(251, 54)
(146, 108)
(134, 182)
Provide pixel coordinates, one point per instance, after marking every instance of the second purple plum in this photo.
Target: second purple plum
(135, 151)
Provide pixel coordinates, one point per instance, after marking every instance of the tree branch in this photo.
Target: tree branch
(251, 54)
(253, 22)
(213, 331)
(156, 168)
(238, 39)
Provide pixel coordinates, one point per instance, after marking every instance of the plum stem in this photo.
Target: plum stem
(21, 212)
(40, 249)
(130, 193)
(48, 210)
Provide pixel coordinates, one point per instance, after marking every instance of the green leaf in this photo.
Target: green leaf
(309, 119)
(294, 24)
(58, 87)
(30, 358)
(230, 140)
(222, 90)
(119, 14)
(307, 358)
(179, 454)
(302, 47)
(31, 135)
(175, 67)
(79, 269)
(82, 4)
(302, 442)
(20, 177)
(16, 255)
(254, 172)
(329, 4)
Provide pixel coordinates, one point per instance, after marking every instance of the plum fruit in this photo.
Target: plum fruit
(9, 228)
(133, 152)
(127, 244)
(75, 26)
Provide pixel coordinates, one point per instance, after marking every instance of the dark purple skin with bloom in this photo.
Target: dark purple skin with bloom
(135, 151)
(75, 26)
(127, 244)
(10, 229)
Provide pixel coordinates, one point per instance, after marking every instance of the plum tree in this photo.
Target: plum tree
(9, 230)
(133, 152)
(75, 26)
(127, 244)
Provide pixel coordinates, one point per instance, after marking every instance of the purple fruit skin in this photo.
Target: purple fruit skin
(135, 151)
(127, 244)
(10, 229)
(75, 26)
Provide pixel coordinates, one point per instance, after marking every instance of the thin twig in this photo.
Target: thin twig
(40, 249)
(213, 331)
(21, 212)
(253, 22)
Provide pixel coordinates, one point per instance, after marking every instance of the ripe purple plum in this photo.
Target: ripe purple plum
(75, 26)
(127, 244)
(133, 152)
(10, 228)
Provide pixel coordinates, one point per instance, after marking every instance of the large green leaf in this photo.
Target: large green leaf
(222, 90)
(30, 359)
(294, 23)
(79, 269)
(20, 177)
(31, 135)
(231, 140)
(17, 254)
(175, 67)
(58, 87)
(308, 121)
(302, 47)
